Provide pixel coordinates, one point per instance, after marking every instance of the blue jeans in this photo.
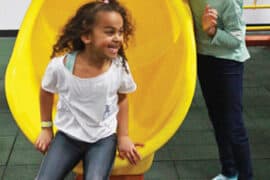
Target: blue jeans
(221, 83)
(65, 152)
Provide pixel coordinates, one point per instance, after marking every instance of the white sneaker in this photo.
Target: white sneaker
(222, 177)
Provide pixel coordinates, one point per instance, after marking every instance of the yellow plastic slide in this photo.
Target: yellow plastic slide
(161, 56)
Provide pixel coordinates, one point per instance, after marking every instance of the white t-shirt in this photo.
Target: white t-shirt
(87, 107)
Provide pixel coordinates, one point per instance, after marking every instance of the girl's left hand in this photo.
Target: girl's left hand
(127, 149)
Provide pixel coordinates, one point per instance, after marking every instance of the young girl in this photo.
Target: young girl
(220, 36)
(92, 80)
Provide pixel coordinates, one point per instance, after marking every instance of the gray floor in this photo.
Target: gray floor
(190, 155)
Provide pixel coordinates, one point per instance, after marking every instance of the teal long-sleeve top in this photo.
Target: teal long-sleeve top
(229, 40)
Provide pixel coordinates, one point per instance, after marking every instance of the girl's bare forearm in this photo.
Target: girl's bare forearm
(46, 104)
(122, 115)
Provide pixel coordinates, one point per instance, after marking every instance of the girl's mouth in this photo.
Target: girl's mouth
(113, 49)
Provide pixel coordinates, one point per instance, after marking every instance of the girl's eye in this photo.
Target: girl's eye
(121, 32)
(109, 32)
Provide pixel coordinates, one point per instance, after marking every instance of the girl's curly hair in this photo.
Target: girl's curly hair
(83, 23)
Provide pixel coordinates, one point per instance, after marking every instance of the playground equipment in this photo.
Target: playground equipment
(161, 56)
(260, 35)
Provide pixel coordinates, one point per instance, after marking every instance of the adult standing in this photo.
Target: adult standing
(220, 36)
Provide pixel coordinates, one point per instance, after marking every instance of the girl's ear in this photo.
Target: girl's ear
(86, 39)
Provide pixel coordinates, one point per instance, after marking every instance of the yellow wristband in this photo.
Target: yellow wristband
(46, 124)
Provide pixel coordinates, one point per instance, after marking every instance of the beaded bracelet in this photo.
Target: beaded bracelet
(46, 124)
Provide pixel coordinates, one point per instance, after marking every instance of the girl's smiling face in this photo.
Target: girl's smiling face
(106, 37)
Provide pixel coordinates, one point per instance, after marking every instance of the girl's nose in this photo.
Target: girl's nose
(118, 37)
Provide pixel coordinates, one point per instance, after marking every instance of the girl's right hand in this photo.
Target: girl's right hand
(209, 20)
(127, 149)
(43, 141)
